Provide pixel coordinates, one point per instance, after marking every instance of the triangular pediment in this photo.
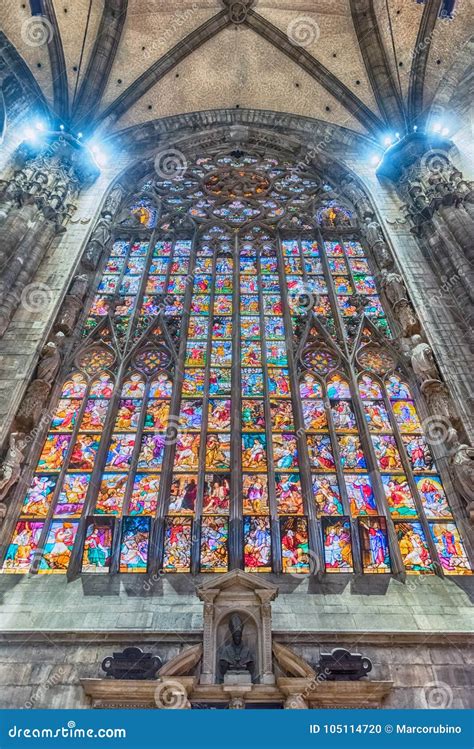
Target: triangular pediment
(237, 579)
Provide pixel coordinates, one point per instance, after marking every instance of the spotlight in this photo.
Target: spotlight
(30, 134)
(374, 159)
(445, 131)
(397, 136)
(79, 136)
(61, 127)
(99, 155)
(415, 128)
(387, 141)
(40, 126)
(436, 127)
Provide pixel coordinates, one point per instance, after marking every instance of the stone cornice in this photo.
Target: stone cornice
(389, 638)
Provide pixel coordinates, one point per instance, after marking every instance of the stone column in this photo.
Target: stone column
(268, 676)
(438, 202)
(208, 638)
(21, 269)
(37, 203)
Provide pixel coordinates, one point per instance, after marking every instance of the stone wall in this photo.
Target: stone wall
(31, 322)
(168, 603)
(45, 671)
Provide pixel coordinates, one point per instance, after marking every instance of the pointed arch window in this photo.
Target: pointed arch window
(235, 399)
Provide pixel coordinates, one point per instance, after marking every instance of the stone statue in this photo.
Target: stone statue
(235, 657)
(358, 198)
(99, 238)
(32, 406)
(422, 360)
(11, 467)
(375, 238)
(407, 318)
(68, 314)
(461, 461)
(79, 286)
(113, 201)
(439, 401)
(49, 363)
(393, 285)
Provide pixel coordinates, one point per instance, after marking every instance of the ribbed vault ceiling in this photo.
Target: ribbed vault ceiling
(363, 64)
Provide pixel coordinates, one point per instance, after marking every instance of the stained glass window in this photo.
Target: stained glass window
(234, 400)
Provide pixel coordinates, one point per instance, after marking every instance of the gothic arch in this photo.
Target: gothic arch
(235, 461)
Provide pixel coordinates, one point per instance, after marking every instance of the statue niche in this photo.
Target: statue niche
(237, 630)
(235, 660)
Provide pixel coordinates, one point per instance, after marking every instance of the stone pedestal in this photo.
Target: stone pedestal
(239, 678)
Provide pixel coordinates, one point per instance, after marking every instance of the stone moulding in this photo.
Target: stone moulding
(291, 692)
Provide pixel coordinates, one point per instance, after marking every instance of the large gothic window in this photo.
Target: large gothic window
(234, 400)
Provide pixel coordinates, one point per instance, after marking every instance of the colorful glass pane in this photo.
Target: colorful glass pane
(216, 493)
(337, 544)
(22, 547)
(413, 548)
(374, 545)
(295, 545)
(214, 537)
(58, 547)
(257, 544)
(177, 546)
(361, 495)
(450, 548)
(97, 547)
(134, 544)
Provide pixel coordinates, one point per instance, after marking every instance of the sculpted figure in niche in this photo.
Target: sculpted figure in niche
(422, 360)
(393, 286)
(50, 361)
(79, 286)
(461, 461)
(373, 232)
(235, 656)
(11, 467)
